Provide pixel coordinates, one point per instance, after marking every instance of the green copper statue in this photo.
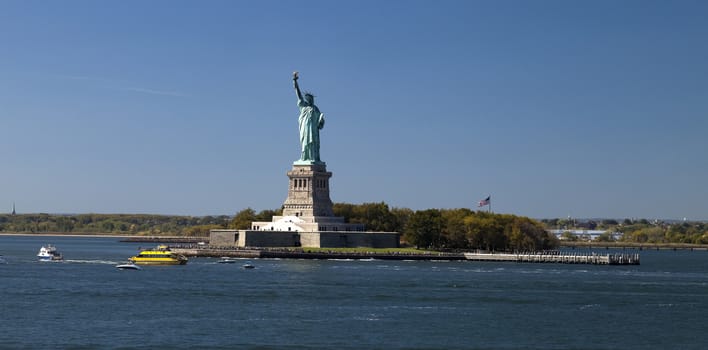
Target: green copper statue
(311, 120)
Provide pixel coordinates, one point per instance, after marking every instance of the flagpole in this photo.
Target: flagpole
(490, 205)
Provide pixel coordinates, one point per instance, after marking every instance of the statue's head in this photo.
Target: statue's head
(309, 98)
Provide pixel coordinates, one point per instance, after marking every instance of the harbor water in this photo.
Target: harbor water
(84, 302)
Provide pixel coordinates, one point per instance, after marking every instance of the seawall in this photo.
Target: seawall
(540, 257)
(289, 254)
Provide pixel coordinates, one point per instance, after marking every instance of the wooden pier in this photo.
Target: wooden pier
(558, 258)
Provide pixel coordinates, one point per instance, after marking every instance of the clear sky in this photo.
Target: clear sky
(554, 108)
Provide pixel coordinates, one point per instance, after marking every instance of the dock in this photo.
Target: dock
(557, 257)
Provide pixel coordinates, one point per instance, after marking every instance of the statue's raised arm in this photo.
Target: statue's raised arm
(297, 87)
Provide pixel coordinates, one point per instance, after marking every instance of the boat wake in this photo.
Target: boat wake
(102, 262)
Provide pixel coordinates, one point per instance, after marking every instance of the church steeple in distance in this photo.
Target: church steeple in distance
(13, 209)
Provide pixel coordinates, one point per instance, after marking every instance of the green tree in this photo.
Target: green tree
(201, 230)
(243, 219)
(402, 216)
(454, 231)
(344, 210)
(267, 214)
(375, 216)
(485, 231)
(424, 228)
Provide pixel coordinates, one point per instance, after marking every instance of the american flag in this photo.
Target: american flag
(485, 201)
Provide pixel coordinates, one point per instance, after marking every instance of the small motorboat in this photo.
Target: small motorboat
(49, 253)
(248, 265)
(128, 266)
(226, 260)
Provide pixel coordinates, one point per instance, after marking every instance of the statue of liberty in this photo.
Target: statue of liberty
(311, 120)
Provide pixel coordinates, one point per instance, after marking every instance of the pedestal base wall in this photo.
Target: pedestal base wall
(332, 239)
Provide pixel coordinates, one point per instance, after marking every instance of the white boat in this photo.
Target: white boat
(227, 260)
(248, 265)
(49, 253)
(128, 266)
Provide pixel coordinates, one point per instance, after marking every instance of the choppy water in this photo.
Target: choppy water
(86, 303)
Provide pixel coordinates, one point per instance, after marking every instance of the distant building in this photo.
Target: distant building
(585, 235)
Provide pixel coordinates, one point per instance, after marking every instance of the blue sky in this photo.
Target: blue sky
(554, 108)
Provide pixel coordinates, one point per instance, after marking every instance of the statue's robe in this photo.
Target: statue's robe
(311, 120)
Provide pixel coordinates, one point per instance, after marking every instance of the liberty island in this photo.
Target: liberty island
(308, 219)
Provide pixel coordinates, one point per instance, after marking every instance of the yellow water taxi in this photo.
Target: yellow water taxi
(162, 255)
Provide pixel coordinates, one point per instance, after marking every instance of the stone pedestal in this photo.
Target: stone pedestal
(308, 207)
(307, 221)
(308, 192)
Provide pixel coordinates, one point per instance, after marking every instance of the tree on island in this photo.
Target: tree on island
(243, 219)
(452, 228)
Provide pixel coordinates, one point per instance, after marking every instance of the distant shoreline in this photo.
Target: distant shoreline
(57, 234)
(77, 234)
(632, 245)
